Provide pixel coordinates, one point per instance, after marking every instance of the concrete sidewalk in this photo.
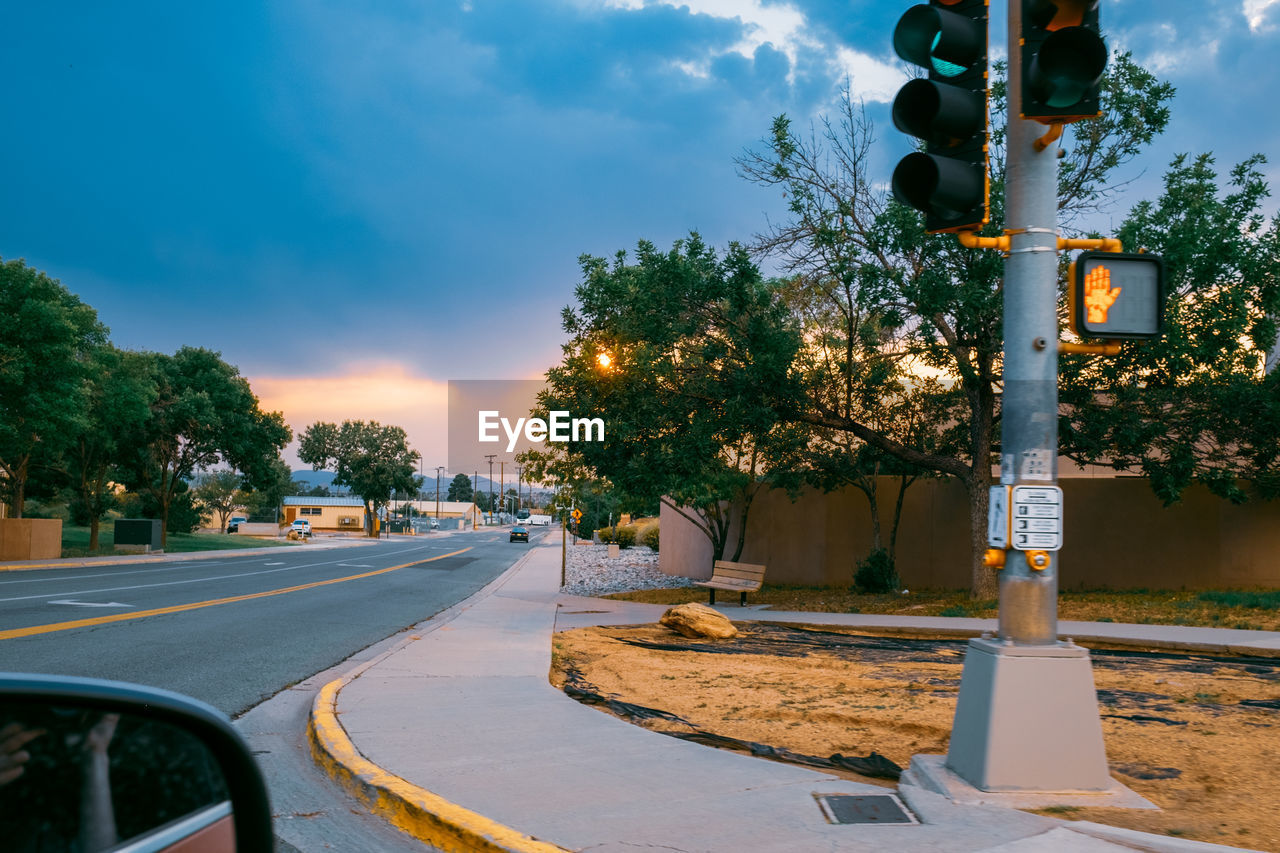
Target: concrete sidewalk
(457, 736)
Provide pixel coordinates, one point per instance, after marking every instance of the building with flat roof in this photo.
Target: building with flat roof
(326, 513)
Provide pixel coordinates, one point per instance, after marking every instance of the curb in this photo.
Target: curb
(414, 810)
(426, 816)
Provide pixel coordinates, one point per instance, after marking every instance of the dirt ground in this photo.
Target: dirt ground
(1196, 735)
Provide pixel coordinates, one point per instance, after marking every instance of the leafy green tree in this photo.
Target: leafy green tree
(219, 492)
(935, 307)
(372, 459)
(204, 413)
(460, 488)
(1194, 406)
(262, 502)
(119, 394)
(693, 342)
(47, 339)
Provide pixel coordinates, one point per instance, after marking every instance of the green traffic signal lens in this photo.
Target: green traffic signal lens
(945, 42)
(1067, 67)
(946, 69)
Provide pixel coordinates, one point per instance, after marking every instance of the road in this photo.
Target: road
(235, 630)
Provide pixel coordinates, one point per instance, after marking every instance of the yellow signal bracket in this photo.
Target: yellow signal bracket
(1110, 349)
(1105, 244)
(993, 558)
(1038, 560)
(1054, 134)
(971, 240)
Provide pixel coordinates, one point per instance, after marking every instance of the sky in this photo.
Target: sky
(356, 203)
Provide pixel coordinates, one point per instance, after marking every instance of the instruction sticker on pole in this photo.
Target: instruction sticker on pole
(998, 517)
(1036, 518)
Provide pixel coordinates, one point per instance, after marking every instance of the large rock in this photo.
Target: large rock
(698, 620)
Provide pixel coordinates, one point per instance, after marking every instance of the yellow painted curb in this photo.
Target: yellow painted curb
(424, 815)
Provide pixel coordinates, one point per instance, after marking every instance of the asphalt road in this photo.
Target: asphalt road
(236, 629)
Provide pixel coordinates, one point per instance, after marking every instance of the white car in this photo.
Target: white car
(302, 527)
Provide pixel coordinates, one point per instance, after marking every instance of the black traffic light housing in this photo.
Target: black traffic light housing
(947, 110)
(1063, 57)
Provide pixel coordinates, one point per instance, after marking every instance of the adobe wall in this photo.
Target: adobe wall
(30, 538)
(1117, 535)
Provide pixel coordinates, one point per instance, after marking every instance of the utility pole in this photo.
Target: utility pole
(439, 468)
(502, 484)
(490, 458)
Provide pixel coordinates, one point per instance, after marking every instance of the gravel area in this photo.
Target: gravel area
(589, 570)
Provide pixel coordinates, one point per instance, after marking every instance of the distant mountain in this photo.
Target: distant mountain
(314, 478)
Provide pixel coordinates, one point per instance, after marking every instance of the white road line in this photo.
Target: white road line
(91, 603)
(183, 582)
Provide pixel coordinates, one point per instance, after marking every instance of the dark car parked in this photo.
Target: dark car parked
(519, 534)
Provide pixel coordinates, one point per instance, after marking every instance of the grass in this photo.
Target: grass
(1257, 610)
(75, 542)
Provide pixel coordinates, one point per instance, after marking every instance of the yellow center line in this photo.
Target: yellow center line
(178, 608)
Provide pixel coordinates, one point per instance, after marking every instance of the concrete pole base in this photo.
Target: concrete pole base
(1027, 720)
(930, 773)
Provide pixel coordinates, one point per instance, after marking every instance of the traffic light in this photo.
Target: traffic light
(947, 110)
(1063, 57)
(1116, 296)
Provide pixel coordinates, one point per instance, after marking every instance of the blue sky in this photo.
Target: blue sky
(355, 203)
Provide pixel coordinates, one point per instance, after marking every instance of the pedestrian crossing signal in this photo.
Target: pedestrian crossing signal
(1117, 296)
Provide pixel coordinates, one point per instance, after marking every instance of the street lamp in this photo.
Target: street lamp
(439, 468)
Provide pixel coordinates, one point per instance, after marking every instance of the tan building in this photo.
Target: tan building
(326, 513)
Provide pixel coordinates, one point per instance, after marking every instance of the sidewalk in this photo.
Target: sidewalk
(457, 736)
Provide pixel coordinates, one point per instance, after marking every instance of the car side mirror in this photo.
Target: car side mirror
(93, 765)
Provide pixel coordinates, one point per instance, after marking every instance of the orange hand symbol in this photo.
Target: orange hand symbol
(1098, 294)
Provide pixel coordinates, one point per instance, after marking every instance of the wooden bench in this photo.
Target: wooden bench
(735, 577)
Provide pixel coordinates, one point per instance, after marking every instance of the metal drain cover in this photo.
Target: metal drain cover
(874, 809)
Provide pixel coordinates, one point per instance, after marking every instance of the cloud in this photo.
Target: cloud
(384, 392)
(1256, 13)
(873, 80)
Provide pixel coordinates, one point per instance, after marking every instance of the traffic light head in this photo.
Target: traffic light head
(947, 110)
(1063, 57)
(1117, 296)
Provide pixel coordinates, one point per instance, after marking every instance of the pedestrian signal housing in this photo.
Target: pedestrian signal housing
(1117, 296)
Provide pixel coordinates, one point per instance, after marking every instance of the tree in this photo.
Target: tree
(693, 341)
(204, 414)
(460, 488)
(47, 337)
(119, 396)
(372, 459)
(938, 305)
(219, 492)
(264, 498)
(1195, 405)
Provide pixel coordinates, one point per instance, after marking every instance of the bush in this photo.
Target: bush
(624, 536)
(651, 538)
(877, 573)
(604, 535)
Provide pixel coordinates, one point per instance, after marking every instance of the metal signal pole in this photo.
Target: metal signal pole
(1027, 715)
